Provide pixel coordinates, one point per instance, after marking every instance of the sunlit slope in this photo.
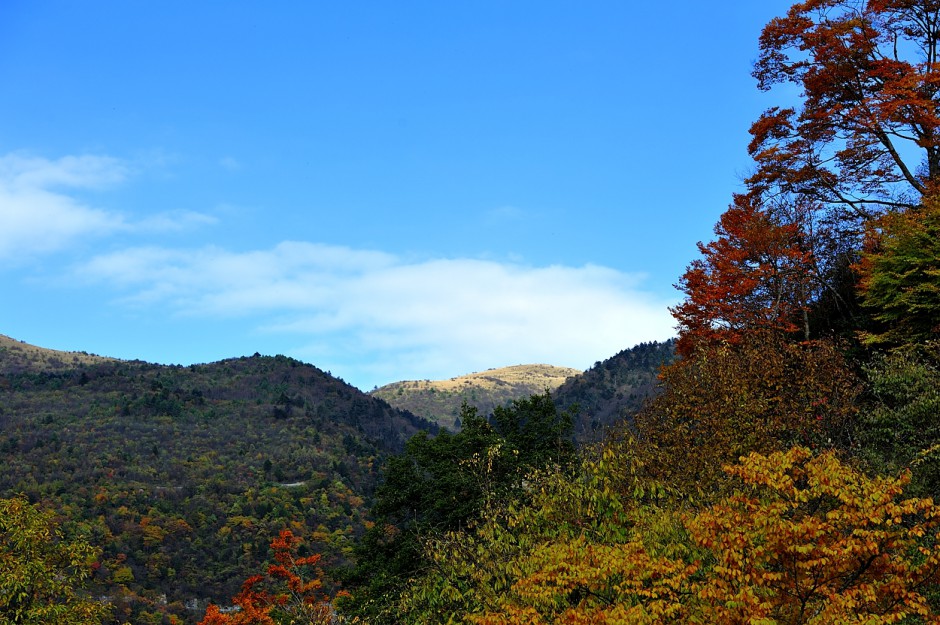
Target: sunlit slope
(440, 400)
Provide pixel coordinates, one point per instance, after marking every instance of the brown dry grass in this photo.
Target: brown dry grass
(19, 356)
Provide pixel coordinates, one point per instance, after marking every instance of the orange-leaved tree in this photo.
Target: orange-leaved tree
(862, 141)
(297, 598)
(811, 540)
(867, 136)
(757, 275)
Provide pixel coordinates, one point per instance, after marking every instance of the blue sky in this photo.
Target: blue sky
(387, 190)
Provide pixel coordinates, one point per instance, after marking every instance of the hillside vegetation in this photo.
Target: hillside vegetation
(611, 392)
(440, 400)
(181, 475)
(785, 470)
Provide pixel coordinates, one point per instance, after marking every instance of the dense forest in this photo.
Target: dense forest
(610, 393)
(181, 475)
(785, 471)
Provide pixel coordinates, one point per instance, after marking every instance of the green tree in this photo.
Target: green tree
(440, 485)
(533, 434)
(899, 421)
(42, 570)
(430, 487)
(901, 276)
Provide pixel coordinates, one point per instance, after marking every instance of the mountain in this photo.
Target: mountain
(182, 475)
(614, 389)
(17, 356)
(440, 400)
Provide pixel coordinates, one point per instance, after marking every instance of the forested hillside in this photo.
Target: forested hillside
(613, 391)
(182, 475)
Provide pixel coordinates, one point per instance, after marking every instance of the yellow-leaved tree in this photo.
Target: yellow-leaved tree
(42, 570)
(803, 539)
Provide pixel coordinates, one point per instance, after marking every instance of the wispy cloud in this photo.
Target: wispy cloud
(502, 214)
(379, 316)
(173, 221)
(40, 214)
(36, 214)
(21, 172)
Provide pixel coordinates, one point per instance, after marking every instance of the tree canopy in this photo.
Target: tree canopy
(42, 570)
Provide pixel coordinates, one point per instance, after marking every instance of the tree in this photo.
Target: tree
(442, 484)
(533, 434)
(811, 540)
(763, 395)
(901, 276)
(298, 597)
(431, 487)
(484, 573)
(899, 426)
(863, 141)
(42, 569)
(756, 276)
(804, 539)
(866, 137)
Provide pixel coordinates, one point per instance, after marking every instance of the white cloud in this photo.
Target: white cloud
(502, 214)
(372, 316)
(173, 221)
(35, 219)
(39, 213)
(21, 172)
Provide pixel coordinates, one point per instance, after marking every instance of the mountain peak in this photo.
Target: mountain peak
(440, 400)
(17, 356)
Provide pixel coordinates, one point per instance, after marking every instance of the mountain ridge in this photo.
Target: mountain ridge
(18, 355)
(440, 400)
(183, 475)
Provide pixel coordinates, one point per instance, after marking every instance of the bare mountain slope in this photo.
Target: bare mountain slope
(17, 356)
(440, 400)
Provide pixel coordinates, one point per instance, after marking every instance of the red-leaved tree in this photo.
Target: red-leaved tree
(757, 275)
(866, 136)
(298, 597)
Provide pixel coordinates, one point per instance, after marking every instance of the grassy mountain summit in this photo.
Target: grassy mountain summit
(17, 356)
(440, 400)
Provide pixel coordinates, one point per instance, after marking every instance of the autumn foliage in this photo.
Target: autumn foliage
(42, 569)
(755, 276)
(772, 479)
(803, 539)
(866, 137)
(296, 600)
(765, 394)
(861, 148)
(809, 539)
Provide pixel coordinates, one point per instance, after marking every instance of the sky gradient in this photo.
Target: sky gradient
(385, 190)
